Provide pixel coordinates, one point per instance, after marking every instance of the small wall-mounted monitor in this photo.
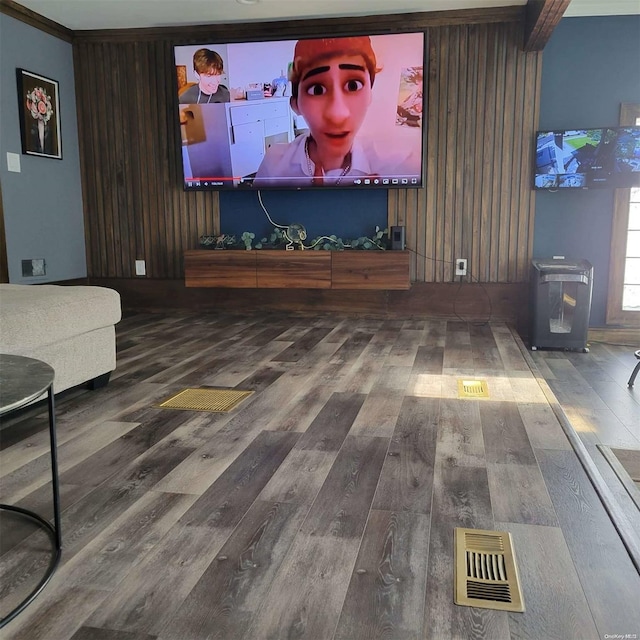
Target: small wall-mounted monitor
(588, 158)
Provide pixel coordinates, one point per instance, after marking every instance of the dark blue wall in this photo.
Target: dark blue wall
(51, 228)
(590, 66)
(347, 214)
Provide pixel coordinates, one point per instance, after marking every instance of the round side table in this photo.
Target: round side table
(23, 380)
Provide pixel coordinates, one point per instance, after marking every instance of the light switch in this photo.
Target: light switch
(13, 162)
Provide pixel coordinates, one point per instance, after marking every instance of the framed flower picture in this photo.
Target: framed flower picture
(39, 110)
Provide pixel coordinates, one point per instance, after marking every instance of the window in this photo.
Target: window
(631, 282)
(623, 300)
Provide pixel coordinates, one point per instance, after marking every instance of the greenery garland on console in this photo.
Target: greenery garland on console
(278, 239)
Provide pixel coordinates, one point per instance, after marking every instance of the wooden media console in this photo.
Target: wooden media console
(280, 269)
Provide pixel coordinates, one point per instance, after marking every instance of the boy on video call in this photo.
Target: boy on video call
(332, 81)
(208, 67)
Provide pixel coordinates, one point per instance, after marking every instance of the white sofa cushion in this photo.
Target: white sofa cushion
(37, 315)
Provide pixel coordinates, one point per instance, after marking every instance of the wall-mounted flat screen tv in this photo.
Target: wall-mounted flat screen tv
(343, 112)
(588, 158)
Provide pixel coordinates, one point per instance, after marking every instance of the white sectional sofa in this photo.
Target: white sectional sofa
(71, 328)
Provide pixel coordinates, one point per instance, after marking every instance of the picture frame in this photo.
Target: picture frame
(39, 111)
(181, 73)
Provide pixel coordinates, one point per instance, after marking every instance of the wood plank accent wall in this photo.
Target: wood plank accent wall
(483, 93)
(135, 206)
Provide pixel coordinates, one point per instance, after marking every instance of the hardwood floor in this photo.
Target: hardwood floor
(601, 409)
(324, 505)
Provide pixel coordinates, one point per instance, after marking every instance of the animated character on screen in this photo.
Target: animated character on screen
(209, 67)
(331, 81)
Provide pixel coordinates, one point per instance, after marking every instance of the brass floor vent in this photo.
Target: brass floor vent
(206, 399)
(473, 389)
(486, 573)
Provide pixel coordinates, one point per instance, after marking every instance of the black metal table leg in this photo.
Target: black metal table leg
(54, 531)
(634, 373)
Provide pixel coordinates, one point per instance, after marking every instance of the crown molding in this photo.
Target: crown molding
(33, 19)
(396, 23)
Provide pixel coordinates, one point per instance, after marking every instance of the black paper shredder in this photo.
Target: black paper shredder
(560, 303)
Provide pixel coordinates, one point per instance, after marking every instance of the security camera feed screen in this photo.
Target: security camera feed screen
(343, 112)
(588, 158)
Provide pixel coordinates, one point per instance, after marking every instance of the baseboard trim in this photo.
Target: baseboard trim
(73, 282)
(620, 336)
(505, 302)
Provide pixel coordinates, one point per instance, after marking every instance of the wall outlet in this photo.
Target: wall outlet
(34, 267)
(461, 266)
(141, 268)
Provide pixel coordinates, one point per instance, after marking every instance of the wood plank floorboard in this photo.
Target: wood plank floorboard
(527, 500)
(23, 425)
(119, 546)
(224, 600)
(543, 558)
(434, 333)
(224, 503)
(105, 462)
(342, 505)
(460, 439)
(70, 452)
(300, 409)
(429, 359)
(406, 481)
(59, 614)
(460, 499)
(505, 436)
(351, 348)
(332, 424)
(458, 353)
(378, 414)
(149, 595)
(324, 505)
(385, 597)
(366, 369)
(303, 345)
(405, 347)
(486, 355)
(308, 592)
(594, 546)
